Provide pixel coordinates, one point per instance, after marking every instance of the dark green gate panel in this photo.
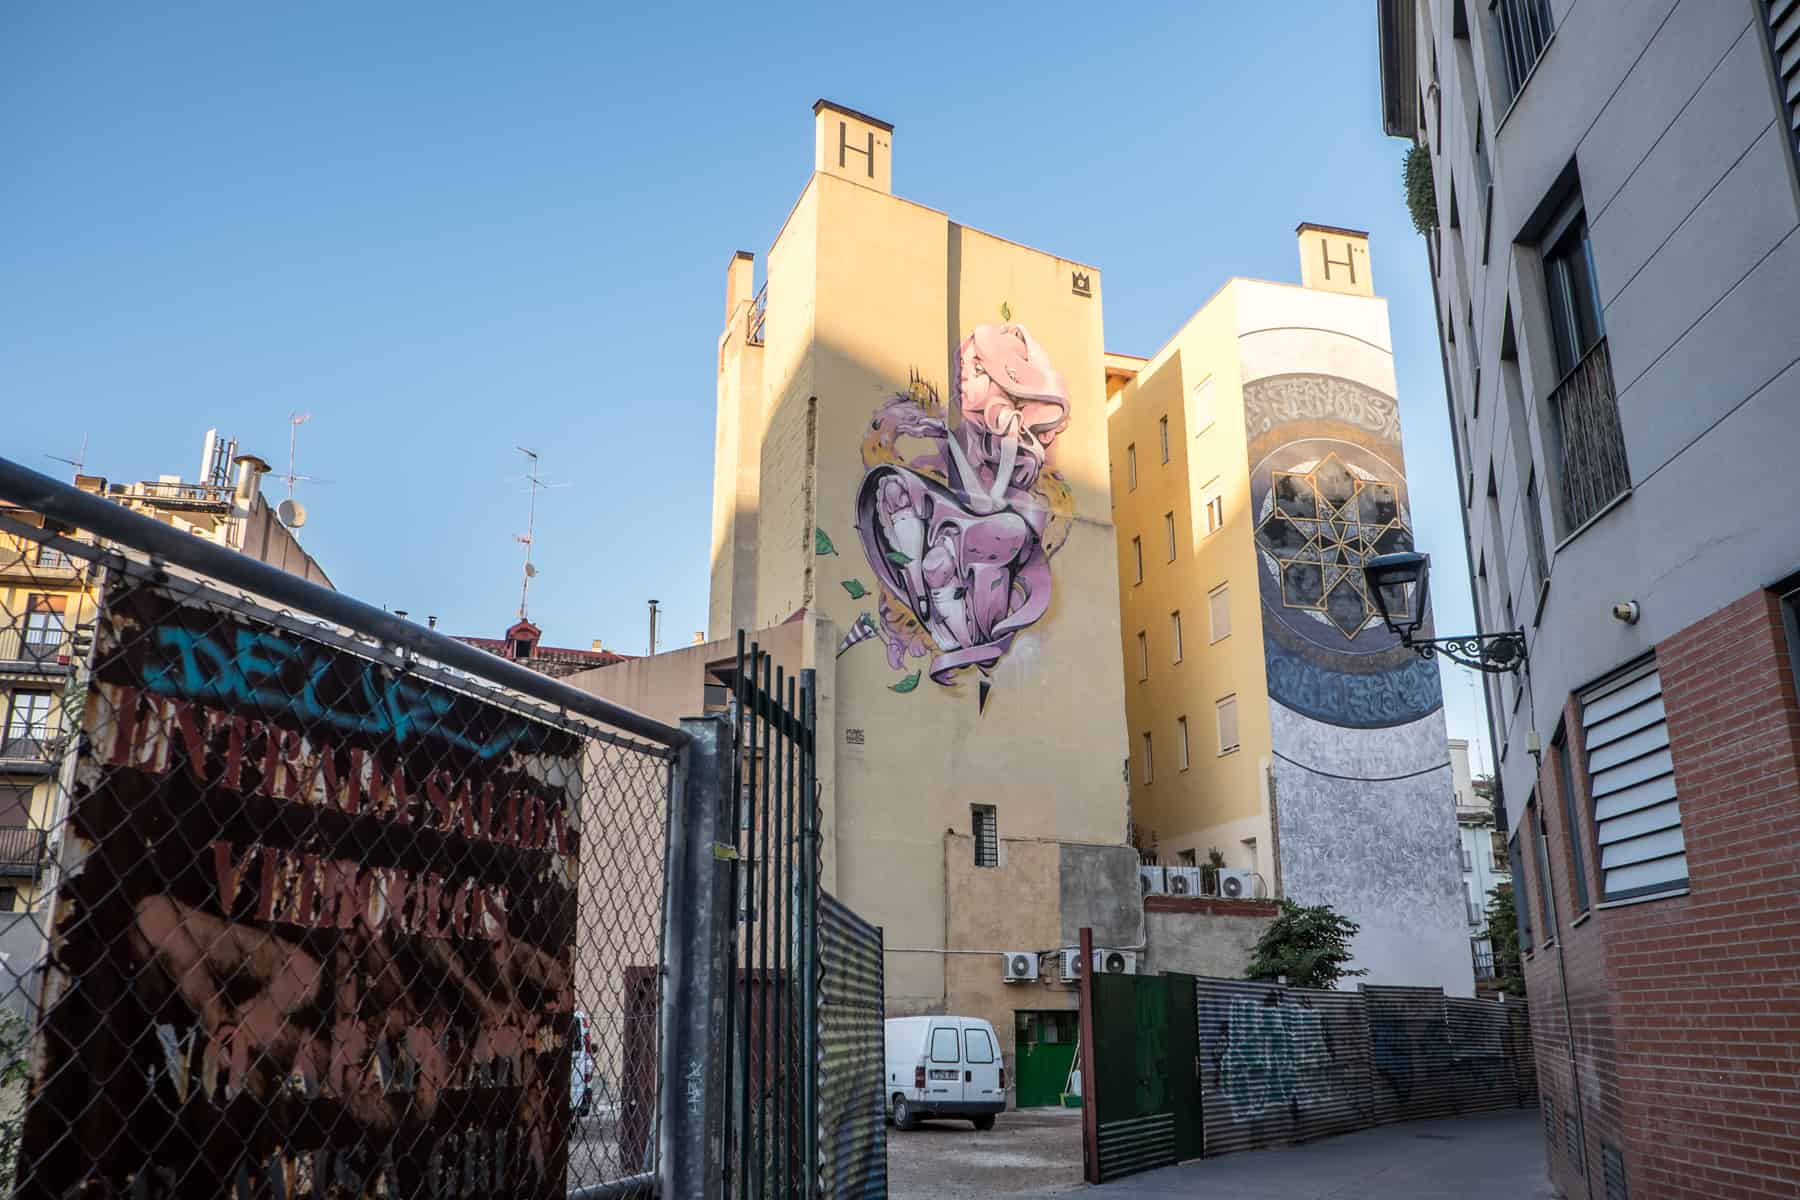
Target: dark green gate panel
(1044, 1051)
(1146, 1095)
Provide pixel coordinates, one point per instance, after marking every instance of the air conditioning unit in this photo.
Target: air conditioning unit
(1071, 965)
(1183, 881)
(1151, 879)
(1021, 966)
(1237, 885)
(1115, 962)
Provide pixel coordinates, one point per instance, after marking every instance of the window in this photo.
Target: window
(1631, 785)
(15, 805)
(1584, 413)
(1143, 656)
(1188, 858)
(1469, 904)
(1149, 762)
(1131, 468)
(1468, 861)
(1181, 745)
(43, 623)
(1175, 633)
(1484, 181)
(1137, 560)
(1228, 724)
(943, 1045)
(1534, 822)
(1202, 404)
(1521, 894)
(1522, 28)
(1162, 429)
(50, 556)
(9, 899)
(1218, 607)
(1499, 850)
(1215, 508)
(1571, 826)
(978, 1046)
(1169, 533)
(28, 724)
(1474, 361)
(986, 823)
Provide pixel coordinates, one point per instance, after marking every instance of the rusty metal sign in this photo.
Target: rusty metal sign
(313, 935)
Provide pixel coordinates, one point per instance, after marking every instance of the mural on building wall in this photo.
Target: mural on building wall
(1328, 491)
(960, 511)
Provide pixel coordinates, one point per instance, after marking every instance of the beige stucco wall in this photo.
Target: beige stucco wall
(1220, 799)
(1218, 942)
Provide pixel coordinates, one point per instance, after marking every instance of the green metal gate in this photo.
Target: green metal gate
(1146, 1094)
(1044, 1049)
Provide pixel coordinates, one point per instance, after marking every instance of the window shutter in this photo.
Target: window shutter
(1784, 39)
(1637, 816)
(1219, 603)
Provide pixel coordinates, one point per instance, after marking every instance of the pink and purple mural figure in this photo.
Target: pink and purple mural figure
(961, 533)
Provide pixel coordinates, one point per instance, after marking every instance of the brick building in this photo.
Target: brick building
(1611, 197)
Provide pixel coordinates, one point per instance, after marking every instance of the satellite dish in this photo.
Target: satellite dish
(530, 571)
(292, 513)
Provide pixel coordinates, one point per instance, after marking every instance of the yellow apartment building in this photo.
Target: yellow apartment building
(1256, 461)
(48, 601)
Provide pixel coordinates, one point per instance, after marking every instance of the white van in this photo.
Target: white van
(944, 1067)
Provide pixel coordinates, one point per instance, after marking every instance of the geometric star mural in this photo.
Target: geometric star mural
(1321, 525)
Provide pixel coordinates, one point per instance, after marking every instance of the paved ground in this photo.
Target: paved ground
(1027, 1151)
(1037, 1153)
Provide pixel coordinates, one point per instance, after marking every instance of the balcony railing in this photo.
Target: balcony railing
(25, 749)
(759, 314)
(1484, 962)
(21, 850)
(35, 647)
(1592, 443)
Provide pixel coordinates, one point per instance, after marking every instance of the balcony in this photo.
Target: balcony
(39, 651)
(1590, 439)
(21, 851)
(25, 754)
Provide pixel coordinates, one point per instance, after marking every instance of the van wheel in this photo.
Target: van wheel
(903, 1115)
(984, 1122)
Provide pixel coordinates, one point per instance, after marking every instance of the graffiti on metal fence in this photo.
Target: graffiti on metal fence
(1274, 1054)
(315, 935)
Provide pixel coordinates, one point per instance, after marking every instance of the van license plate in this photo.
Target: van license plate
(943, 1074)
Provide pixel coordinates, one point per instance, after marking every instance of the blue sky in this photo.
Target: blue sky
(446, 230)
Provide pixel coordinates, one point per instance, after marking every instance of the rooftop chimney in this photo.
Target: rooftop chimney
(1333, 259)
(853, 146)
(250, 470)
(699, 637)
(597, 644)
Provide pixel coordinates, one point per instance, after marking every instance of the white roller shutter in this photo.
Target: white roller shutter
(1637, 816)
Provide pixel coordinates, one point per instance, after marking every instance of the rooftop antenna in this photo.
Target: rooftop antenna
(653, 608)
(525, 539)
(78, 461)
(291, 511)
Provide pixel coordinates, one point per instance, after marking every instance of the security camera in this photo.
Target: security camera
(1626, 612)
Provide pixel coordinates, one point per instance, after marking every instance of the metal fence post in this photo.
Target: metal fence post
(696, 932)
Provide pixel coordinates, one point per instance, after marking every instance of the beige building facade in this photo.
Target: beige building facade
(1256, 462)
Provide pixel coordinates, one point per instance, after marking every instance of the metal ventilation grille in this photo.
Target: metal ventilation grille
(1549, 1106)
(1612, 1165)
(1572, 1143)
(1632, 781)
(1784, 38)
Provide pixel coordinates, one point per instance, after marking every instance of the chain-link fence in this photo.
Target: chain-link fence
(298, 899)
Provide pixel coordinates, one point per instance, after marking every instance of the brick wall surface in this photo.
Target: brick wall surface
(1686, 1010)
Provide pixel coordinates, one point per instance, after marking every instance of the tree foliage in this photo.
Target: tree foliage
(1421, 194)
(1308, 945)
(1503, 936)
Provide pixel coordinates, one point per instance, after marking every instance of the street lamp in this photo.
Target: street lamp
(1401, 586)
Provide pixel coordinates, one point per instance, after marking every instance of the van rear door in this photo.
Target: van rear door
(981, 1064)
(943, 1065)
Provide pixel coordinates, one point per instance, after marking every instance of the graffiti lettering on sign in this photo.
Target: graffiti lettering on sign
(1274, 1056)
(320, 936)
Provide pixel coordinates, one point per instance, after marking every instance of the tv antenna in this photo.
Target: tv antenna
(78, 461)
(526, 539)
(291, 511)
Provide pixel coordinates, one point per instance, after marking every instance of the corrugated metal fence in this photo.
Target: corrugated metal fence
(852, 1117)
(1278, 1065)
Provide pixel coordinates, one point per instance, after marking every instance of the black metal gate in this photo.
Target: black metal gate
(771, 1006)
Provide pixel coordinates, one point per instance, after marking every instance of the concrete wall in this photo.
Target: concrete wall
(1199, 936)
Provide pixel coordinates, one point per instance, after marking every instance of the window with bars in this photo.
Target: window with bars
(1522, 29)
(986, 822)
(1565, 755)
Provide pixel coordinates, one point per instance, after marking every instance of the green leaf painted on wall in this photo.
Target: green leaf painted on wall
(855, 588)
(1005, 311)
(822, 542)
(905, 685)
(898, 559)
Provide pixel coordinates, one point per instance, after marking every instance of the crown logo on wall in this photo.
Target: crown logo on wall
(1080, 284)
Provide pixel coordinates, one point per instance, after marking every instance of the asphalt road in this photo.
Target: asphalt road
(1037, 1153)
